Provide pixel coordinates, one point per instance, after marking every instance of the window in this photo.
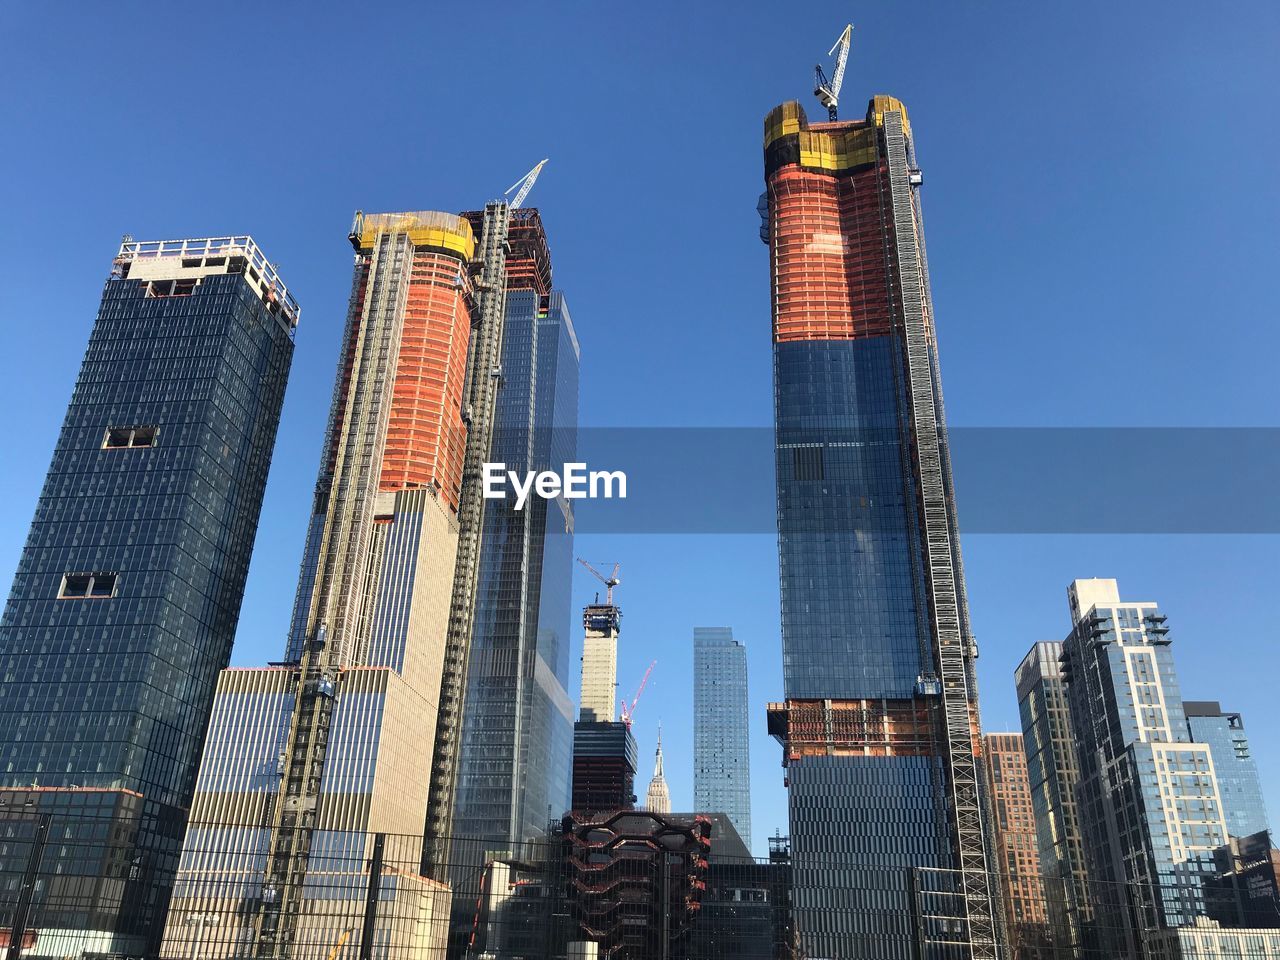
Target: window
(118, 438)
(87, 586)
(172, 288)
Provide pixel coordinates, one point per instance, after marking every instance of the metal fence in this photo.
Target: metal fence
(634, 889)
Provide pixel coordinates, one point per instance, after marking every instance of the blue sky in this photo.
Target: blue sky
(1102, 224)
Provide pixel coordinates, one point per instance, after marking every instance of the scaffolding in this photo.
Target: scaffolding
(954, 647)
(480, 392)
(348, 495)
(858, 728)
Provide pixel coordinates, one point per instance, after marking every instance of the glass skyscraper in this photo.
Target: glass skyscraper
(1052, 774)
(721, 735)
(880, 725)
(517, 743)
(129, 588)
(1150, 812)
(1233, 764)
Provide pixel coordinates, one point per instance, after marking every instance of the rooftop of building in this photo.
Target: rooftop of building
(196, 257)
(426, 228)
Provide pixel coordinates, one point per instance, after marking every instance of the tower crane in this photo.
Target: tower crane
(828, 91)
(610, 581)
(524, 185)
(628, 712)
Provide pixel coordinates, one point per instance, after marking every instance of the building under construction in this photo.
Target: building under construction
(354, 736)
(880, 724)
(604, 751)
(517, 741)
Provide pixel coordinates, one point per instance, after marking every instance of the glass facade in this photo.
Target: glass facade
(129, 588)
(721, 735)
(1052, 774)
(1233, 764)
(854, 625)
(1150, 813)
(514, 773)
(853, 616)
(879, 728)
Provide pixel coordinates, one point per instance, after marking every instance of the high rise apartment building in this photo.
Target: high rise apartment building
(129, 589)
(1233, 763)
(517, 743)
(1151, 815)
(1052, 774)
(880, 727)
(721, 732)
(309, 760)
(1017, 852)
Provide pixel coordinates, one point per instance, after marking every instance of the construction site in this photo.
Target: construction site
(879, 677)
(377, 656)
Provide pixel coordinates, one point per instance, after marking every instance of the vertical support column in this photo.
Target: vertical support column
(333, 617)
(484, 377)
(371, 897)
(22, 913)
(953, 648)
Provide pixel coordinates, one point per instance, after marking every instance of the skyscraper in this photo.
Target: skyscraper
(308, 760)
(604, 751)
(1017, 855)
(658, 797)
(1233, 764)
(129, 588)
(721, 734)
(599, 663)
(517, 743)
(1053, 772)
(880, 724)
(1150, 813)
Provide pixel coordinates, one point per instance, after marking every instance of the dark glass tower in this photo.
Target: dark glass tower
(518, 722)
(127, 594)
(880, 725)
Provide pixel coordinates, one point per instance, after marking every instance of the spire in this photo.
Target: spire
(658, 799)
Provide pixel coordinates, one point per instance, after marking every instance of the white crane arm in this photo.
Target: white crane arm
(524, 185)
(842, 60)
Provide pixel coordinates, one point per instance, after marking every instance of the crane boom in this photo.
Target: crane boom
(610, 581)
(524, 185)
(628, 712)
(828, 91)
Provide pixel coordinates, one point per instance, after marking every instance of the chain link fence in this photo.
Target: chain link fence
(642, 887)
